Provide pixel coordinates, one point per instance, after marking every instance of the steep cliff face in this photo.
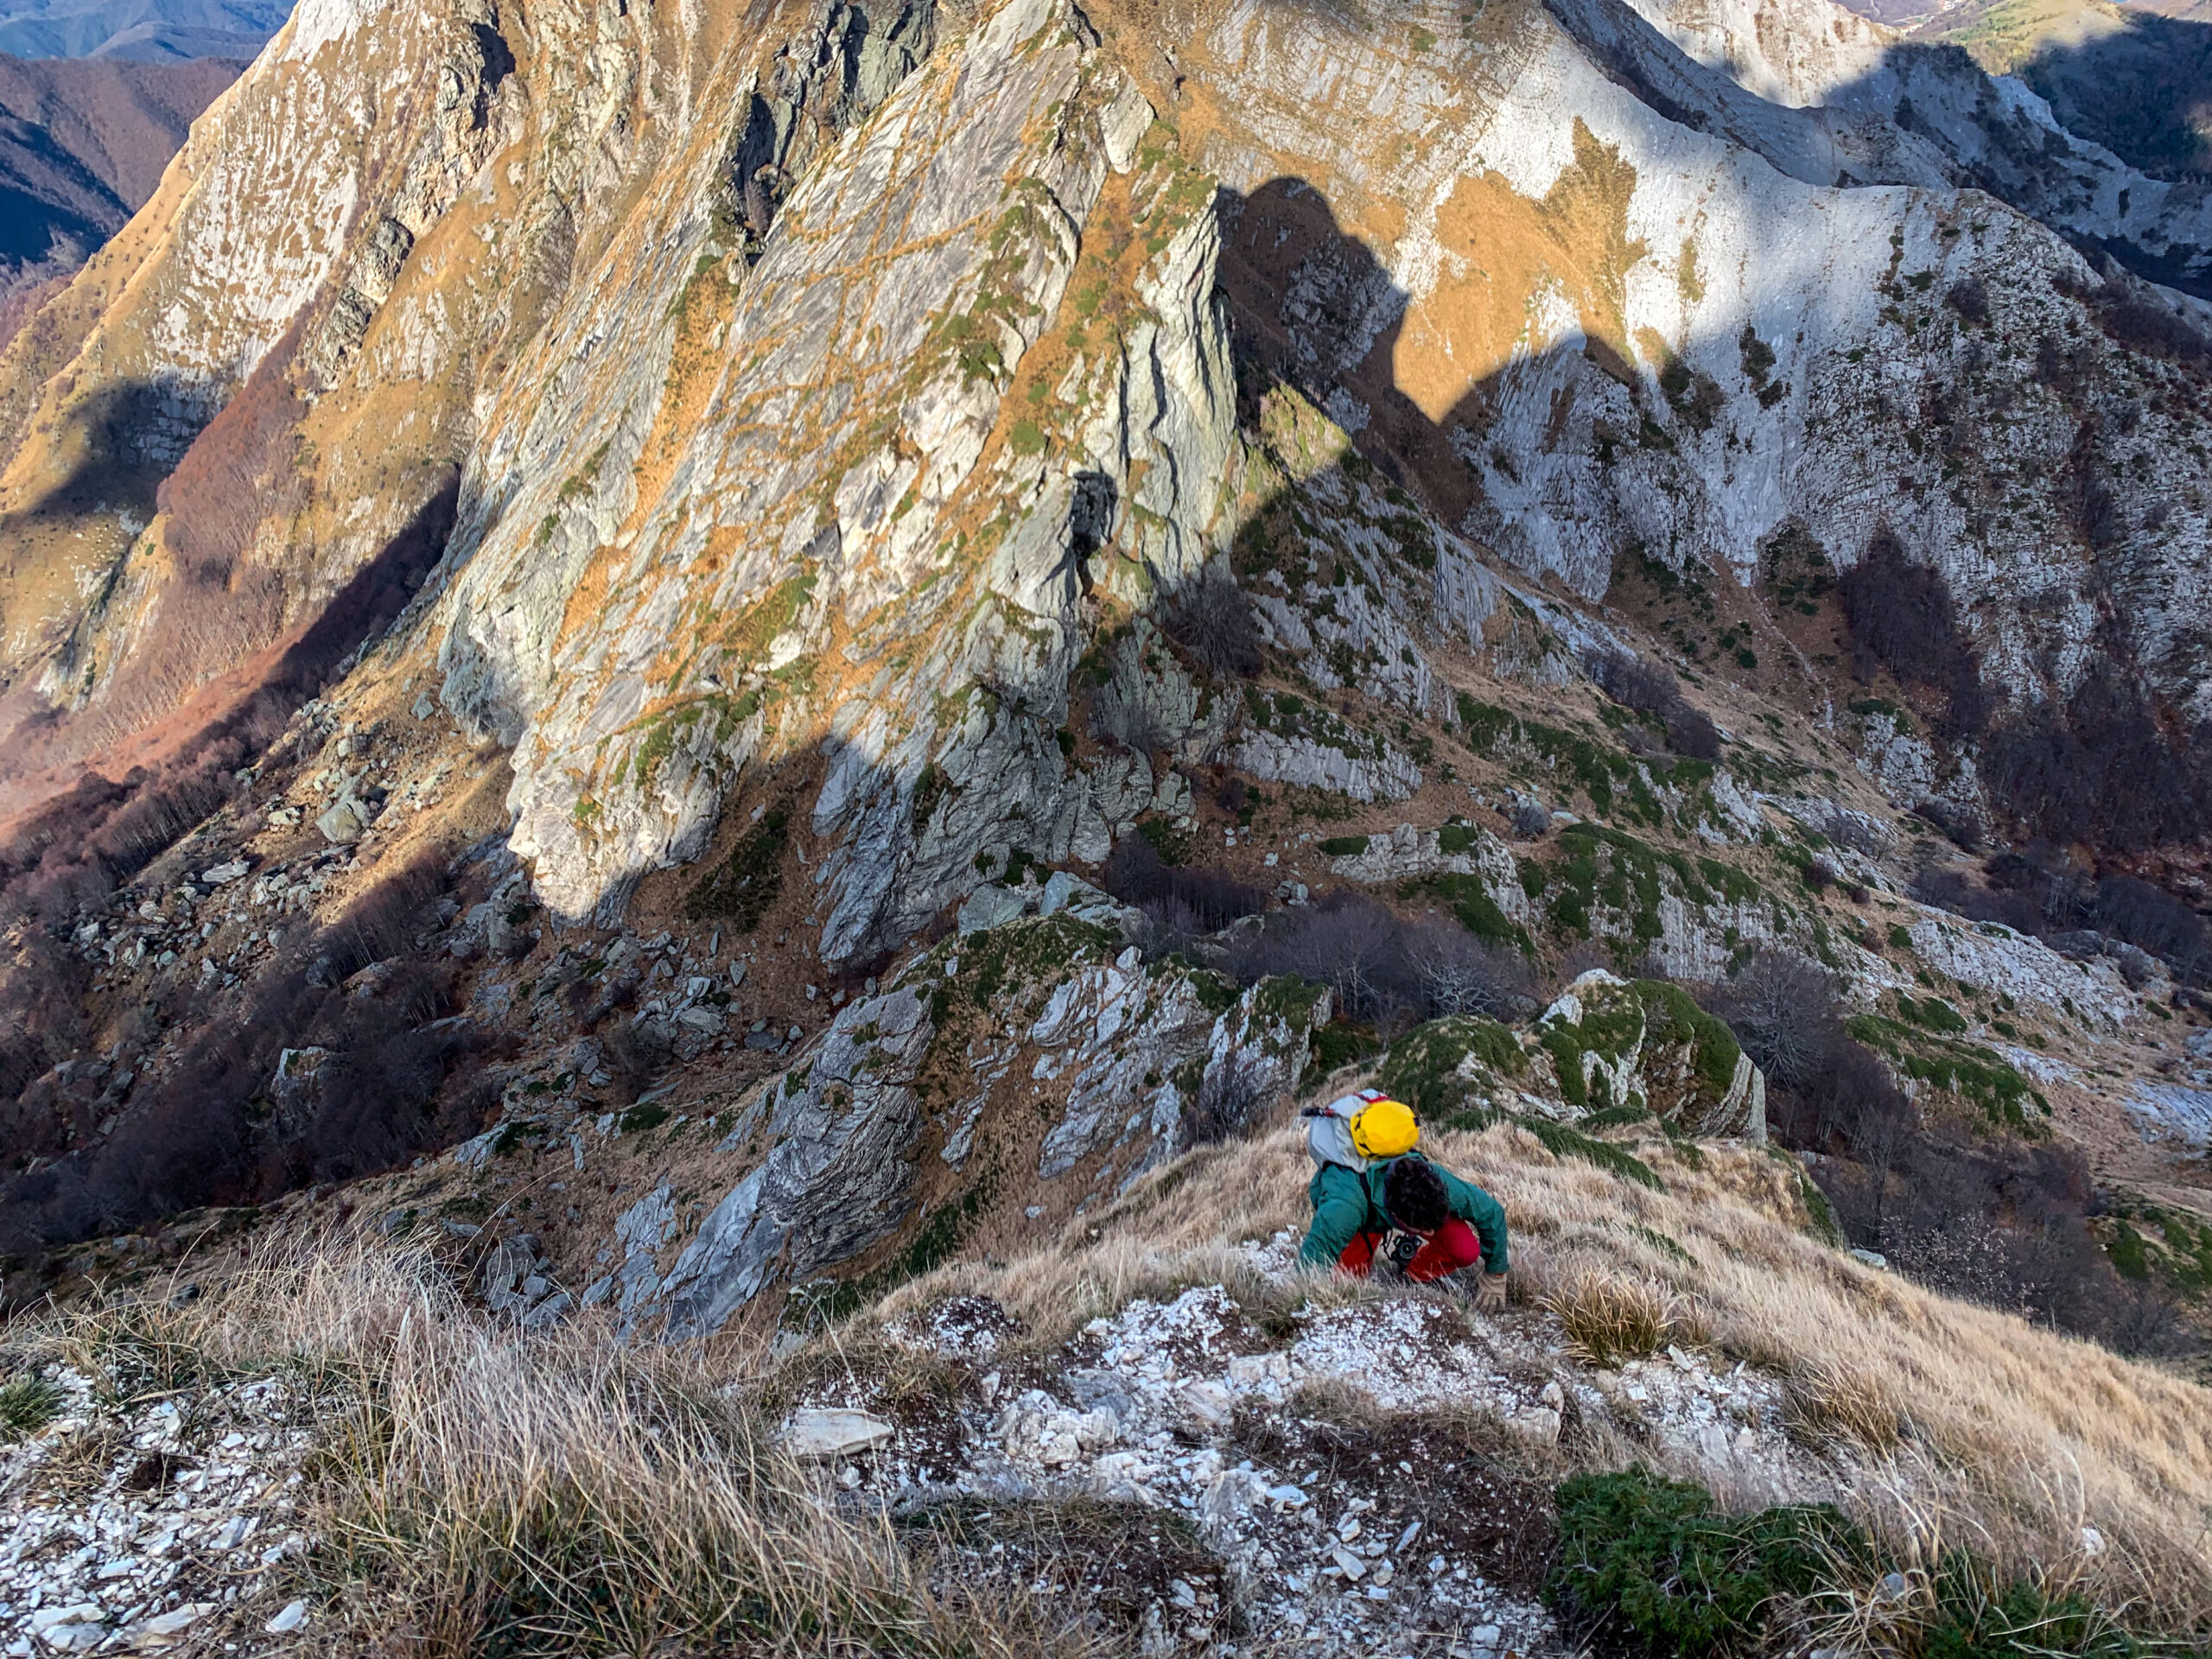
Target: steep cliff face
(248, 284)
(807, 398)
(1592, 324)
(856, 491)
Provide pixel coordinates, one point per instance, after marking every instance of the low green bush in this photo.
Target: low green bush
(1655, 1559)
(1655, 1563)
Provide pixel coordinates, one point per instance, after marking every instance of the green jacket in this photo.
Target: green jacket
(1348, 1201)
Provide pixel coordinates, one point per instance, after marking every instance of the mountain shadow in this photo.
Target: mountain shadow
(2108, 766)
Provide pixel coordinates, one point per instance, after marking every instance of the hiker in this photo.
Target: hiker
(1371, 1183)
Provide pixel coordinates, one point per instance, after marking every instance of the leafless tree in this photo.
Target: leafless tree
(1784, 1011)
(1458, 974)
(1348, 942)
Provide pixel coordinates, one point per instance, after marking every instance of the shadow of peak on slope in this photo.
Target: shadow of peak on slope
(1419, 385)
(2141, 90)
(2149, 106)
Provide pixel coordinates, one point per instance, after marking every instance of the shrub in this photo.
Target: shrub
(2100, 769)
(1970, 300)
(1210, 617)
(1562, 1142)
(1121, 715)
(201, 1132)
(1979, 1615)
(743, 885)
(1679, 1578)
(1785, 1013)
(1644, 686)
(1231, 1097)
(2142, 325)
(1167, 927)
(637, 1050)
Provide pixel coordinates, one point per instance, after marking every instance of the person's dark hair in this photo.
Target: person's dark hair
(1414, 1193)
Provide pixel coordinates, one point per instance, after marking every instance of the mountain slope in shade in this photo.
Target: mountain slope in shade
(2136, 78)
(148, 31)
(83, 144)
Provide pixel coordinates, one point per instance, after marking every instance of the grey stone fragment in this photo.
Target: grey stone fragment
(822, 1433)
(992, 905)
(345, 822)
(1086, 903)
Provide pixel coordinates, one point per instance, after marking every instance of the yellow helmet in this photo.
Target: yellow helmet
(1384, 1128)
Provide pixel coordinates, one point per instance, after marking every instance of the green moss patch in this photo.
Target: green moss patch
(1423, 1069)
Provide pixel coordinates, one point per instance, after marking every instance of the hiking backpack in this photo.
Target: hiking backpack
(1350, 1131)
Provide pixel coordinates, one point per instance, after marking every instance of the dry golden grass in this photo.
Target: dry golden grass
(1610, 1317)
(1830, 1402)
(478, 1490)
(615, 1497)
(1999, 1414)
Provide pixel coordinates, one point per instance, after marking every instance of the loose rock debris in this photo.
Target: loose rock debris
(133, 1529)
(1343, 1480)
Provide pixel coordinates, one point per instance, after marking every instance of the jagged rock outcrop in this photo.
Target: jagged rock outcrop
(825, 412)
(1581, 325)
(1606, 1045)
(1039, 1050)
(1615, 1043)
(835, 1182)
(904, 581)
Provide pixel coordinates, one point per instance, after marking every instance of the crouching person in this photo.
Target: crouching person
(1373, 1192)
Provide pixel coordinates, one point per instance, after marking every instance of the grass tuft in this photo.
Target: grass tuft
(1609, 1317)
(27, 1403)
(1832, 1402)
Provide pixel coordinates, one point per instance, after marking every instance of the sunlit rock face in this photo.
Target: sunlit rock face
(832, 400)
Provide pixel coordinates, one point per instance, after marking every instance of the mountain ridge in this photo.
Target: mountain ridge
(729, 668)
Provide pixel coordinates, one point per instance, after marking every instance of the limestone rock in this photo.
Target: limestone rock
(820, 1433)
(1084, 901)
(1615, 1043)
(989, 906)
(835, 1181)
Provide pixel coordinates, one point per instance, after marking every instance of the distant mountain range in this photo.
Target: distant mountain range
(148, 31)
